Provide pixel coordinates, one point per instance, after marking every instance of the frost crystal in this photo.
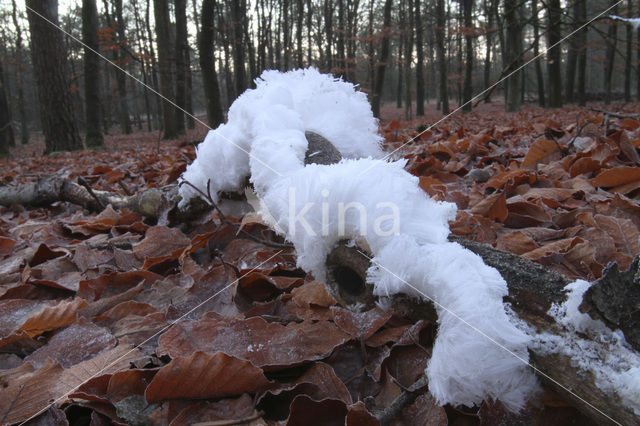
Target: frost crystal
(479, 353)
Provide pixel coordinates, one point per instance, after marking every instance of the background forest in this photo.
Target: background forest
(203, 54)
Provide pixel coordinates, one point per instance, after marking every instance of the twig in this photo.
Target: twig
(125, 188)
(231, 422)
(84, 183)
(407, 397)
(578, 132)
(614, 114)
(209, 200)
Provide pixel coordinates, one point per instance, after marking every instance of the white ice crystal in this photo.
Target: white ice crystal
(479, 353)
(604, 353)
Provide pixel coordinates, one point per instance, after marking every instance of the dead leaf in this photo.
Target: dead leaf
(205, 376)
(617, 176)
(53, 317)
(539, 151)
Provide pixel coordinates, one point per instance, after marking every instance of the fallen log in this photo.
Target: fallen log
(532, 291)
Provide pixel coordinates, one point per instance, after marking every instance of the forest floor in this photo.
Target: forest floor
(95, 296)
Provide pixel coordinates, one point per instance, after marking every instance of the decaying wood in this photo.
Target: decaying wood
(532, 291)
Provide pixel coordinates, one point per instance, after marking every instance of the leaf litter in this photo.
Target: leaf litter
(79, 290)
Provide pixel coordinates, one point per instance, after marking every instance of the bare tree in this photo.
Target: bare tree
(207, 64)
(513, 54)
(382, 60)
(419, 60)
(181, 52)
(536, 51)
(441, 54)
(238, 8)
(50, 67)
(408, 57)
(94, 136)
(467, 92)
(627, 59)
(6, 130)
(611, 41)
(581, 17)
(165, 64)
(24, 120)
(554, 59)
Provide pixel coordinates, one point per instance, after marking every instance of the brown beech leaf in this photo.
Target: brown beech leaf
(623, 232)
(30, 390)
(539, 150)
(113, 283)
(160, 241)
(205, 376)
(318, 382)
(387, 335)
(516, 242)
(53, 317)
(523, 214)
(260, 287)
(6, 246)
(249, 255)
(424, 411)
(360, 324)
(313, 293)
(14, 312)
(407, 364)
(266, 345)
(584, 165)
(233, 411)
(515, 176)
(358, 415)
(306, 411)
(617, 176)
(494, 207)
(74, 344)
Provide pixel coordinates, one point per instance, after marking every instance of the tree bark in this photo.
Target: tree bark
(554, 59)
(328, 31)
(627, 59)
(581, 16)
(408, 59)
(6, 130)
(237, 15)
(50, 67)
(381, 66)
(514, 55)
(536, 51)
(94, 136)
(467, 92)
(611, 41)
(419, 60)
(181, 52)
(165, 65)
(207, 65)
(24, 120)
(572, 55)
(441, 56)
(125, 122)
(488, 11)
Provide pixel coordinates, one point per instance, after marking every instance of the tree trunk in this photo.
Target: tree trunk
(24, 120)
(627, 60)
(91, 74)
(554, 58)
(582, 54)
(299, 23)
(467, 92)
(6, 130)
(125, 122)
(536, 52)
(420, 60)
(154, 67)
(50, 68)
(207, 65)
(638, 62)
(181, 46)
(488, 11)
(514, 55)
(408, 59)
(611, 41)
(381, 66)
(165, 63)
(328, 30)
(572, 56)
(352, 34)
(399, 61)
(441, 54)
(341, 71)
(237, 12)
